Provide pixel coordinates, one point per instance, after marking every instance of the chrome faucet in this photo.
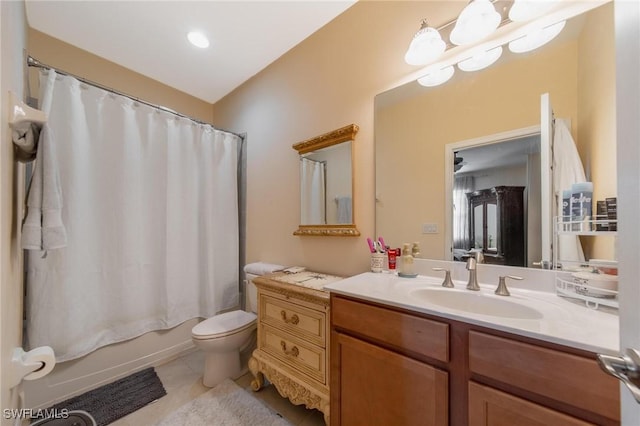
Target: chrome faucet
(447, 277)
(502, 285)
(472, 264)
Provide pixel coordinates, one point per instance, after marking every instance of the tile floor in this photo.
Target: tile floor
(182, 379)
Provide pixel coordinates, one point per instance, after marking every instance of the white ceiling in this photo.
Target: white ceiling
(149, 37)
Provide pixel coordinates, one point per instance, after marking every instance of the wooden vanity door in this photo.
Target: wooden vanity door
(490, 407)
(380, 387)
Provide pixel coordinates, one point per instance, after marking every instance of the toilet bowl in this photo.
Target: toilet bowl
(223, 336)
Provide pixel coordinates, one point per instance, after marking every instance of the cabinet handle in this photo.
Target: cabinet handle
(293, 320)
(294, 352)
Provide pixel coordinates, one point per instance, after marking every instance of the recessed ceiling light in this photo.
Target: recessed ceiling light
(198, 39)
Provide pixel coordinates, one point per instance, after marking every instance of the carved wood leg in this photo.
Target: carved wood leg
(326, 418)
(258, 382)
(325, 410)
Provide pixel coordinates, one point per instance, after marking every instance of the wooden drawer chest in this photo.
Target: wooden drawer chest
(293, 343)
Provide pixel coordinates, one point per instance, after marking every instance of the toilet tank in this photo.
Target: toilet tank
(250, 294)
(252, 271)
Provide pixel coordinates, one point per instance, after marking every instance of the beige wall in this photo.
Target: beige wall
(66, 57)
(13, 41)
(327, 81)
(597, 115)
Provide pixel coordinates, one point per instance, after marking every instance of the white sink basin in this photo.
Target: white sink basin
(475, 302)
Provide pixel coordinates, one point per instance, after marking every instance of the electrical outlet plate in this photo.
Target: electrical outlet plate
(429, 228)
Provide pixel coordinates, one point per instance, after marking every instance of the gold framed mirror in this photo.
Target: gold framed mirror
(326, 184)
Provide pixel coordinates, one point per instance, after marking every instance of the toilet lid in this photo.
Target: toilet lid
(223, 324)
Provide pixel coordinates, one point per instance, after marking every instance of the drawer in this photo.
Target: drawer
(400, 330)
(568, 378)
(295, 319)
(292, 351)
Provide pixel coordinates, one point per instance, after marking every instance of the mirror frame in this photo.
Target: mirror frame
(343, 134)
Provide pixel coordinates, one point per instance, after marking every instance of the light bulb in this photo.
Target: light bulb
(436, 77)
(481, 60)
(476, 21)
(536, 39)
(426, 46)
(524, 10)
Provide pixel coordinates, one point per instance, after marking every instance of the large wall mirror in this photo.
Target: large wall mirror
(326, 184)
(415, 128)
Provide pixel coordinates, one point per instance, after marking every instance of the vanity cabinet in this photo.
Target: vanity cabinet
(496, 224)
(394, 366)
(293, 346)
(380, 375)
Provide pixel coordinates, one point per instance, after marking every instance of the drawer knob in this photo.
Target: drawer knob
(293, 320)
(294, 352)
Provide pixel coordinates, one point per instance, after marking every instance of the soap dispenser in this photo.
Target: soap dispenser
(415, 250)
(407, 269)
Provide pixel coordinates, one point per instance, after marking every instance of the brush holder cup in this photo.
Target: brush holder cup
(377, 262)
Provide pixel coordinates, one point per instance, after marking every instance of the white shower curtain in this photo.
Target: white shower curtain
(462, 185)
(150, 204)
(313, 193)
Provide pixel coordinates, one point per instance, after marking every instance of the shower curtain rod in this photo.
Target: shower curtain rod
(32, 62)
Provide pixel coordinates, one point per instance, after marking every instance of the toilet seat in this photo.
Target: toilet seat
(223, 325)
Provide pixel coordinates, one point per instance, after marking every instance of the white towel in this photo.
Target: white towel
(567, 170)
(25, 139)
(43, 228)
(262, 268)
(344, 209)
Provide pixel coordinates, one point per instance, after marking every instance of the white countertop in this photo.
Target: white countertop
(562, 321)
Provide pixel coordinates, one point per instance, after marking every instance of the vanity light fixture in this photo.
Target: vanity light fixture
(536, 39)
(546, 21)
(481, 59)
(436, 76)
(198, 39)
(476, 21)
(426, 46)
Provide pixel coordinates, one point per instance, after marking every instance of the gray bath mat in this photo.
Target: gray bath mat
(110, 402)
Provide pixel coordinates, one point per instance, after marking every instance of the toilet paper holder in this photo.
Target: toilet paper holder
(30, 365)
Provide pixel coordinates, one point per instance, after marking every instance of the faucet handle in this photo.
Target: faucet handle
(447, 277)
(502, 286)
(471, 263)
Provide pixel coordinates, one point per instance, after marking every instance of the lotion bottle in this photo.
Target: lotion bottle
(407, 260)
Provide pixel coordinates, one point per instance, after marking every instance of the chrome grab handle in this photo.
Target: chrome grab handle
(502, 285)
(626, 368)
(294, 352)
(293, 320)
(447, 277)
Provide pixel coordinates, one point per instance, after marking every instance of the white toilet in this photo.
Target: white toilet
(223, 336)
